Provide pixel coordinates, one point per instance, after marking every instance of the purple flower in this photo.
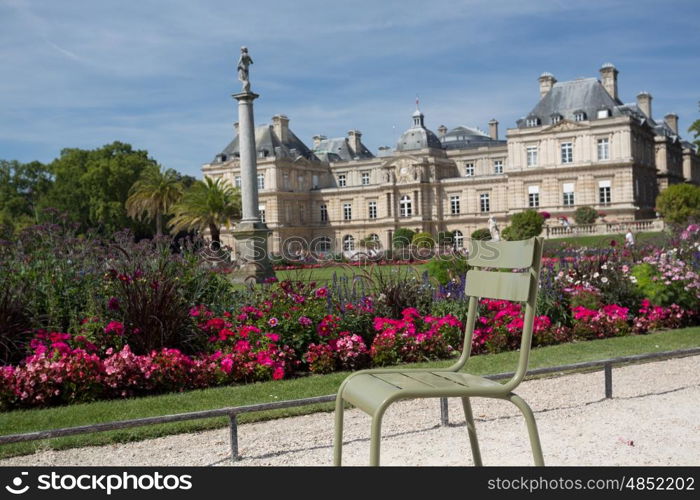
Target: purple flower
(304, 321)
(113, 304)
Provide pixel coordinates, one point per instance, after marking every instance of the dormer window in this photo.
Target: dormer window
(604, 113)
(532, 121)
(579, 116)
(556, 118)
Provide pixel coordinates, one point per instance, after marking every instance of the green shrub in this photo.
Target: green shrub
(445, 238)
(585, 215)
(524, 225)
(423, 240)
(482, 234)
(402, 237)
(445, 269)
(679, 203)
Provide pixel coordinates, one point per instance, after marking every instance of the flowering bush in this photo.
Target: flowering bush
(652, 317)
(500, 327)
(609, 321)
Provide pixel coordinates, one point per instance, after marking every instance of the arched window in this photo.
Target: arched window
(405, 206)
(458, 238)
(322, 244)
(348, 243)
(373, 240)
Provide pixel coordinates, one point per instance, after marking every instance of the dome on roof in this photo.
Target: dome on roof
(418, 137)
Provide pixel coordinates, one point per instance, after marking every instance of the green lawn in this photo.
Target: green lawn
(105, 411)
(603, 241)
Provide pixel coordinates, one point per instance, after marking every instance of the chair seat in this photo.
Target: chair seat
(369, 391)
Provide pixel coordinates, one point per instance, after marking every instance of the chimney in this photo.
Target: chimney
(608, 77)
(317, 140)
(671, 120)
(442, 131)
(280, 124)
(644, 103)
(354, 142)
(547, 81)
(493, 129)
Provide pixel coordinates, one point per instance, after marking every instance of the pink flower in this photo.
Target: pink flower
(273, 322)
(304, 321)
(321, 292)
(115, 327)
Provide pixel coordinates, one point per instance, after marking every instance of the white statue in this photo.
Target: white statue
(493, 229)
(243, 62)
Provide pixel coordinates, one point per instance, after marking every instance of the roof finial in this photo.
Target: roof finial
(417, 103)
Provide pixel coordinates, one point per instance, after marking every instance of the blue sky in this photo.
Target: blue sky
(159, 74)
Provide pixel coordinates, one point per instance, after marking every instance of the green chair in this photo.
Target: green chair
(507, 270)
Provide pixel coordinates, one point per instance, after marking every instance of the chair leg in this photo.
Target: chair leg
(471, 428)
(531, 427)
(338, 439)
(376, 438)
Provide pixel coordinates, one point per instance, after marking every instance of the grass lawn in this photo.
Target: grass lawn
(104, 411)
(603, 240)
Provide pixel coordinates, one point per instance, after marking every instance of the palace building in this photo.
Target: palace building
(580, 145)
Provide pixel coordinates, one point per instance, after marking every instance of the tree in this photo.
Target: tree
(679, 203)
(208, 204)
(524, 225)
(402, 237)
(695, 129)
(481, 234)
(92, 186)
(585, 215)
(423, 240)
(153, 195)
(21, 187)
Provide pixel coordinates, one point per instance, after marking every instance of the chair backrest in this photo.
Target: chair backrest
(508, 270)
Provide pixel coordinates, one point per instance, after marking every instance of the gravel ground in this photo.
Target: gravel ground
(652, 420)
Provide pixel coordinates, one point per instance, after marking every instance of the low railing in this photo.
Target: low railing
(636, 226)
(233, 412)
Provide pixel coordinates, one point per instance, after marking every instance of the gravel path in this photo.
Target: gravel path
(652, 420)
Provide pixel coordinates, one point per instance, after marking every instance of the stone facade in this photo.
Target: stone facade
(580, 145)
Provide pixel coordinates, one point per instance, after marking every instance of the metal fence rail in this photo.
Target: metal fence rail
(234, 411)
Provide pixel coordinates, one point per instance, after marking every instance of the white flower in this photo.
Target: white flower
(596, 274)
(604, 279)
(604, 266)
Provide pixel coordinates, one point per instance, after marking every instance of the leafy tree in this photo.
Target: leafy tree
(695, 129)
(481, 234)
(92, 186)
(153, 195)
(524, 225)
(402, 237)
(423, 240)
(679, 203)
(445, 238)
(21, 187)
(208, 204)
(585, 215)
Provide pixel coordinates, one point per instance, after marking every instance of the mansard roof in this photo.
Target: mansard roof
(267, 144)
(338, 149)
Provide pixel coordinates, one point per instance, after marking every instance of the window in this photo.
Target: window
(604, 192)
(237, 181)
(603, 113)
(374, 239)
(261, 181)
(323, 244)
(568, 190)
(365, 178)
(556, 118)
(348, 243)
(341, 180)
(603, 149)
(533, 121)
(579, 116)
(405, 206)
(261, 211)
(567, 152)
(498, 166)
(532, 156)
(300, 182)
(324, 213)
(372, 209)
(454, 204)
(484, 202)
(314, 181)
(285, 181)
(469, 169)
(533, 196)
(302, 213)
(347, 211)
(458, 238)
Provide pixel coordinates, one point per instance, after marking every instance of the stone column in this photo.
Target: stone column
(250, 234)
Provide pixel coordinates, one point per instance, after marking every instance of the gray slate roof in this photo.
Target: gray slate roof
(567, 98)
(338, 149)
(466, 137)
(268, 144)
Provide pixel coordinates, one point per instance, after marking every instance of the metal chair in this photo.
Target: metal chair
(507, 270)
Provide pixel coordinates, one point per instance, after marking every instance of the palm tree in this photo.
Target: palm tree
(153, 195)
(208, 204)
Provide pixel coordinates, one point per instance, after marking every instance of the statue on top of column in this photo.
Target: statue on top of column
(243, 62)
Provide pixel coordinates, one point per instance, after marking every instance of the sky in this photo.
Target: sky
(159, 74)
